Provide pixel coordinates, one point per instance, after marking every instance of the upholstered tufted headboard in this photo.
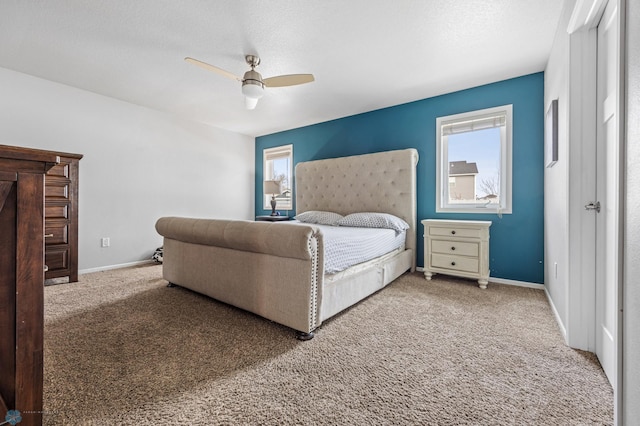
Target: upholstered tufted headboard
(381, 182)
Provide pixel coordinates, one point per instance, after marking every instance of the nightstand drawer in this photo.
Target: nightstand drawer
(455, 232)
(459, 248)
(455, 263)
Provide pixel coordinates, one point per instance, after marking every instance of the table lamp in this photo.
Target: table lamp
(274, 188)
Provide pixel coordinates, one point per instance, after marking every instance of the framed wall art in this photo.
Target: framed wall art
(551, 134)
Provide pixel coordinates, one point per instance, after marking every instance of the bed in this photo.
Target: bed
(277, 270)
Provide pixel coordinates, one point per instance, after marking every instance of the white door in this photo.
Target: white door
(608, 185)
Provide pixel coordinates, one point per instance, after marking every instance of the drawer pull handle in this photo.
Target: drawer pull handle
(453, 232)
(453, 263)
(48, 235)
(453, 248)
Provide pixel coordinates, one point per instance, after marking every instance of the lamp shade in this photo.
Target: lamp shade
(272, 187)
(250, 103)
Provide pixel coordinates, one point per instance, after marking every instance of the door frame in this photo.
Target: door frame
(622, 125)
(618, 208)
(581, 304)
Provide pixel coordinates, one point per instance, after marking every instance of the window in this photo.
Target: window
(278, 165)
(473, 152)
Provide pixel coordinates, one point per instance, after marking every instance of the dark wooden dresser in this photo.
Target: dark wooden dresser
(61, 217)
(22, 279)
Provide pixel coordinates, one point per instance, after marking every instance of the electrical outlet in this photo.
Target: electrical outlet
(105, 242)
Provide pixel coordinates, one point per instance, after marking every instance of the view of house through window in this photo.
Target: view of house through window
(474, 158)
(474, 166)
(278, 165)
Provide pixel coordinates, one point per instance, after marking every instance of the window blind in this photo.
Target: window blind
(277, 153)
(476, 123)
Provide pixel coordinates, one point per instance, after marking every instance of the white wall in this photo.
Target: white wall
(139, 164)
(556, 220)
(631, 289)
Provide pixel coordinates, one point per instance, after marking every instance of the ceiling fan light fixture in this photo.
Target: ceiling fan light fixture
(252, 89)
(250, 103)
(252, 83)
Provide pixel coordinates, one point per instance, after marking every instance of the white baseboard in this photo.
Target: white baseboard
(563, 330)
(516, 283)
(110, 267)
(506, 281)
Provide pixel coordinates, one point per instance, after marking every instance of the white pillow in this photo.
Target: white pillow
(319, 217)
(374, 220)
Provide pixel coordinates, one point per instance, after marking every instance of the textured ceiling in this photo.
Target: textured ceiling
(364, 54)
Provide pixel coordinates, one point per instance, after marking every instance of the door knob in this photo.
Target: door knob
(593, 205)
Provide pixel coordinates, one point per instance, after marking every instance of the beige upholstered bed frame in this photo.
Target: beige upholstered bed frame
(276, 270)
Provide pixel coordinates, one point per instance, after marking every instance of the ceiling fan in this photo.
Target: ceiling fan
(252, 82)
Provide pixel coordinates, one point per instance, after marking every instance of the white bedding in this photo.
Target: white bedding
(346, 246)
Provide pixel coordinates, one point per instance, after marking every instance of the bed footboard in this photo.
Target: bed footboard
(261, 267)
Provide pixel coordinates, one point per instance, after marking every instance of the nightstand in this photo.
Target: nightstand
(457, 247)
(272, 218)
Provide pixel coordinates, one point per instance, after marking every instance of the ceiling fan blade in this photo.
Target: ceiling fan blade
(288, 80)
(212, 68)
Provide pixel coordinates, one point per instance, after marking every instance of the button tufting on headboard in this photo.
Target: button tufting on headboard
(380, 182)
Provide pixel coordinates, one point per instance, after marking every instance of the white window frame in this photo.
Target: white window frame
(442, 161)
(268, 154)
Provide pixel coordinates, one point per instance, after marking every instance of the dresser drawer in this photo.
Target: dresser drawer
(455, 263)
(57, 190)
(455, 232)
(56, 212)
(60, 170)
(56, 233)
(459, 248)
(57, 259)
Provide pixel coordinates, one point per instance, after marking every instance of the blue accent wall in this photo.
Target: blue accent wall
(517, 239)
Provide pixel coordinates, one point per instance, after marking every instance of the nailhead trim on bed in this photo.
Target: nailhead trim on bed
(313, 312)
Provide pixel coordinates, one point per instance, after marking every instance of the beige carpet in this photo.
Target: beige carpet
(121, 348)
